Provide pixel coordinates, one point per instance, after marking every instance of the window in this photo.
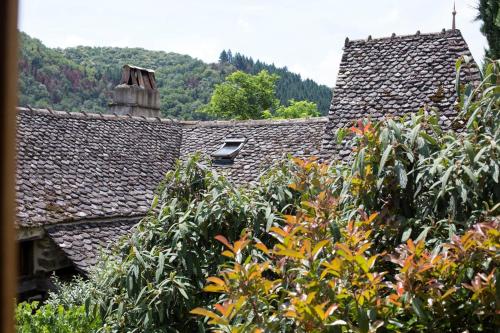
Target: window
(228, 151)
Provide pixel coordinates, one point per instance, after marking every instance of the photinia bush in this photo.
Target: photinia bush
(402, 238)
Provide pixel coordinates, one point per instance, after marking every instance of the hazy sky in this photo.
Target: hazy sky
(307, 36)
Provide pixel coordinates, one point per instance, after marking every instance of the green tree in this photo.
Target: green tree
(244, 96)
(489, 14)
(296, 109)
(223, 58)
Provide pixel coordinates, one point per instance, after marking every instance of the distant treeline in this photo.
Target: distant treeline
(82, 78)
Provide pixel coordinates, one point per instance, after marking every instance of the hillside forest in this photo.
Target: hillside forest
(82, 78)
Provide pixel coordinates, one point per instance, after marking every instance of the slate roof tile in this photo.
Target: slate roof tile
(393, 77)
(72, 166)
(86, 166)
(267, 142)
(83, 243)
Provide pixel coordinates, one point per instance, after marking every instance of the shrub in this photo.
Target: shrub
(49, 318)
(401, 239)
(162, 267)
(316, 279)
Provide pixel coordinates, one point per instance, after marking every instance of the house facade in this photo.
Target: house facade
(84, 180)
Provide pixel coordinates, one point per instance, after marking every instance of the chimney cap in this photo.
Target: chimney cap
(138, 68)
(138, 76)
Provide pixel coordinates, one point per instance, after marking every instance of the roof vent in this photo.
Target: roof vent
(226, 154)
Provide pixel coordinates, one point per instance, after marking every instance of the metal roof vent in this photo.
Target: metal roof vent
(226, 154)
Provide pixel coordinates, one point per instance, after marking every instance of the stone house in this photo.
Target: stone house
(84, 180)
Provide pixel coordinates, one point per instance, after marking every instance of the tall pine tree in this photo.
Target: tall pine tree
(489, 14)
(223, 58)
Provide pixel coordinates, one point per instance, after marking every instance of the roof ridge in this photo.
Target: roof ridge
(444, 32)
(89, 115)
(92, 115)
(250, 122)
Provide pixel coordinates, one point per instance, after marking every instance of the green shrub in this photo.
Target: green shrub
(402, 238)
(49, 318)
(322, 277)
(163, 265)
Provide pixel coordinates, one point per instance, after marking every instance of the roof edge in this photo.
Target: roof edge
(90, 115)
(187, 123)
(252, 122)
(444, 32)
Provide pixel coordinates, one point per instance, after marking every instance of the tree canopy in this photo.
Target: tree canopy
(489, 14)
(244, 96)
(296, 109)
(289, 86)
(82, 78)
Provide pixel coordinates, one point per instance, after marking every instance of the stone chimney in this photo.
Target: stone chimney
(137, 94)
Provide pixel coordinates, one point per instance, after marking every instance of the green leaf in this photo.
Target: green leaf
(183, 293)
(383, 160)
(444, 180)
(495, 172)
(363, 321)
(401, 174)
(269, 218)
(418, 307)
(471, 175)
(406, 235)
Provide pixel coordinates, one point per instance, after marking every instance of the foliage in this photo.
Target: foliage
(243, 96)
(296, 109)
(422, 178)
(489, 15)
(289, 86)
(310, 283)
(402, 238)
(163, 265)
(50, 318)
(82, 78)
(68, 297)
(400, 241)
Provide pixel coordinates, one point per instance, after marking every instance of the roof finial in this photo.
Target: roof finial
(453, 26)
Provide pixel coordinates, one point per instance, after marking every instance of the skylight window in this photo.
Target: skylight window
(228, 151)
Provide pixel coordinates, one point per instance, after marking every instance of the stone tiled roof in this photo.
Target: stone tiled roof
(83, 243)
(72, 166)
(86, 166)
(267, 141)
(395, 76)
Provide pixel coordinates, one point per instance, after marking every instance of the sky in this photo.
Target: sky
(306, 36)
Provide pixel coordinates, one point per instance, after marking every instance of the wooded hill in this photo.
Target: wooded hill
(82, 78)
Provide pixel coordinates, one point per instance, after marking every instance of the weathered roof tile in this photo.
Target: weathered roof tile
(395, 76)
(83, 243)
(69, 165)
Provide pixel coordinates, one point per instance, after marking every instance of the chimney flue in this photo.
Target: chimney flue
(137, 94)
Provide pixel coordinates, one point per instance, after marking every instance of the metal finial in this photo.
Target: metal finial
(453, 25)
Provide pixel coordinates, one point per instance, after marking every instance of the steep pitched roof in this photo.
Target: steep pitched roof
(267, 142)
(72, 166)
(83, 243)
(395, 76)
